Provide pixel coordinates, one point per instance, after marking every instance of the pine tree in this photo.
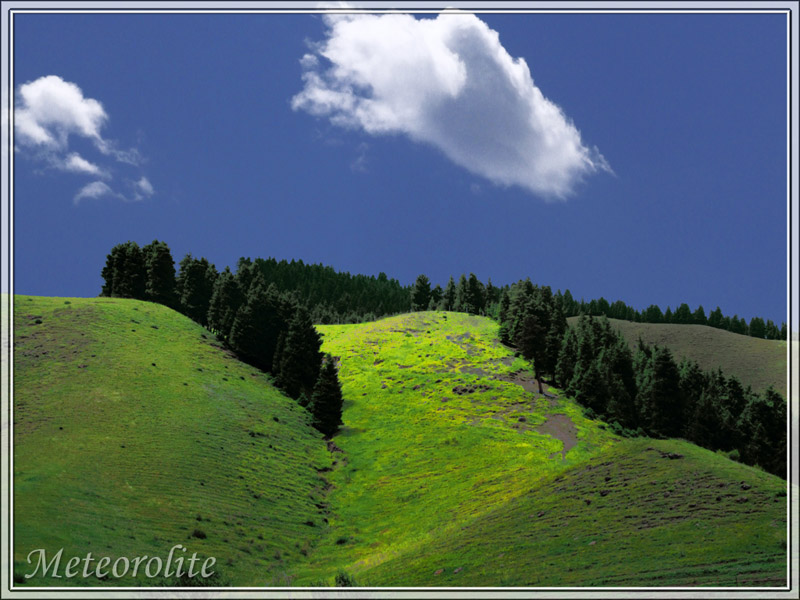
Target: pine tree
(196, 284)
(257, 326)
(421, 293)
(683, 315)
(436, 298)
(226, 299)
(125, 272)
(326, 399)
(758, 328)
(567, 359)
(301, 356)
(715, 318)
(653, 314)
(659, 395)
(461, 303)
(764, 419)
(160, 273)
(692, 384)
(107, 273)
(449, 296)
(553, 339)
(699, 316)
(531, 340)
(476, 296)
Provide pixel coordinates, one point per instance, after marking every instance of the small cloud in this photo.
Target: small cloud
(309, 61)
(475, 188)
(447, 82)
(96, 189)
(75, 163)
(144, 187)
(49, 110)
(359, 164)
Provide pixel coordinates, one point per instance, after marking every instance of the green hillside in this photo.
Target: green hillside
(135, 431)
(452, 473)
(756, 362)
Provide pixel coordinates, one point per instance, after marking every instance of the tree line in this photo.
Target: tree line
(643, 392)
(267, 328)
(683, 314)
(265, 312)
(472, 296)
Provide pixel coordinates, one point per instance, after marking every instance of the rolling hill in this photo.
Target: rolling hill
(135, 430)
(756, 362)
(454, 471)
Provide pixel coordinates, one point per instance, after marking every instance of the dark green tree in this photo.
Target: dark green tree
(301, 356)
(196, 285)
(683, 315)
(436, 298)
(421, 293)
(326, 399)
(461, 294)
(226, 299)
(758, 329)
(699, 316)
(124, 273)
(764, 420)
(159, 273)
(660, 399)
(567, 359)
(653, 314)
(449, 297)
(259, 322)
(715, 318)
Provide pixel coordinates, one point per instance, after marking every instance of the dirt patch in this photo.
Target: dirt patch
(562, 428)
(530, 384)
(474, 371)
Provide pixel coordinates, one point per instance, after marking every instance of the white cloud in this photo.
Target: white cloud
(144, 189)
(50, 109)
(447, 82)
(96, 189)
(47, 112)
(75, 163)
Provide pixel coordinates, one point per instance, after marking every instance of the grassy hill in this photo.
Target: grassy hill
(758, 363)
(134, 431)
(453, 472)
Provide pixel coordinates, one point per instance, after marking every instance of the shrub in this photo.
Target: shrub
(344, 579)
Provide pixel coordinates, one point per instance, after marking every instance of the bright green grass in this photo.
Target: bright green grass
(758, 363)
(118, 456)
(433, 488)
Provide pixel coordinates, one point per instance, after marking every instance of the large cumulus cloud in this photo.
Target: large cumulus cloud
(447, 82)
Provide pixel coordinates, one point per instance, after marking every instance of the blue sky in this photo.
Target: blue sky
(661, 179)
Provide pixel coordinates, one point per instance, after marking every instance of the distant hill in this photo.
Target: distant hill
(756, 362)
(134, 431)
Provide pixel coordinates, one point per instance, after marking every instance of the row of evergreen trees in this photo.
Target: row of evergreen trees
(469, 295)
(757, 327)
(266, 328)
(644, 392)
